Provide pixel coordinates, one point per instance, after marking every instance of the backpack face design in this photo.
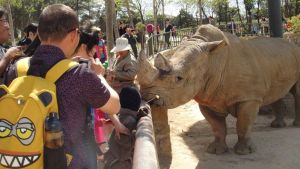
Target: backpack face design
(22, 128)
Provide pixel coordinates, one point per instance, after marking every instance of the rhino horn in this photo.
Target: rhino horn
(162, 63)
(147, 72)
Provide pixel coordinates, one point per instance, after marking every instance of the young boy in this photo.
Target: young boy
(120, 153)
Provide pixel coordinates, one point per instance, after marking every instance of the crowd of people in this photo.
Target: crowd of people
(170, 30)
(89, 95)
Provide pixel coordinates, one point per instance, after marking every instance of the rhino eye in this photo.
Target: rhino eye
(178, 78)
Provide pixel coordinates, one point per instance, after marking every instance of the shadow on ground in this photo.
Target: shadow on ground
(276, 148)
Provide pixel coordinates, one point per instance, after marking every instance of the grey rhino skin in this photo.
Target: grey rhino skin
(225, 75)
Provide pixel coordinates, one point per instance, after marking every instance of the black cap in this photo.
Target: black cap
(130, 98)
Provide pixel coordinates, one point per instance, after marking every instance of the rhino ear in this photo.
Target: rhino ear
(212, 46)
(162, 63)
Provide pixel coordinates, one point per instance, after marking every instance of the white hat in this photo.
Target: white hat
(121, 45)
(95, 28)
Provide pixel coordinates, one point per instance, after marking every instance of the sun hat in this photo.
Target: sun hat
(121, 45)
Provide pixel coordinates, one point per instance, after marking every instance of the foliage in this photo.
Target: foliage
(294, 24)
(93, 11)
(249, 4)
(184, 19)
(140, 27)
(28, 11)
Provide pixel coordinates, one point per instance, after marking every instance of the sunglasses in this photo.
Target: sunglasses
(4, 20)
(73, 29)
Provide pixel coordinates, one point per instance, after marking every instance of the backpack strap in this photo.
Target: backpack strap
(22, 66)
(59, 69)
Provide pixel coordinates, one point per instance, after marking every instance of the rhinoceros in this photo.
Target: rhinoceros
(225, 75)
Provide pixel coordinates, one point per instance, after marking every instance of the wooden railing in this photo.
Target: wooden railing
(145, 154)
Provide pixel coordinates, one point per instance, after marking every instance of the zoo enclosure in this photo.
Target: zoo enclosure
(157, 43)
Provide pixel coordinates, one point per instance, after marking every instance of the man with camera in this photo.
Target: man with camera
(5, 55)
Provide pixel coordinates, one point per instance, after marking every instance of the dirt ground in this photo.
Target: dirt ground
(191, 134)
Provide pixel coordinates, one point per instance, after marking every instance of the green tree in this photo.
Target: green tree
(249, 5)
(138, 6)
(184, 19)
(239, 13)
(221, 7)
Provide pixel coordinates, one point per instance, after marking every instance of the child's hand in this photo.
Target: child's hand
(121, 129)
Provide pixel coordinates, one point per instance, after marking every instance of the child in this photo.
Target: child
(120, 153)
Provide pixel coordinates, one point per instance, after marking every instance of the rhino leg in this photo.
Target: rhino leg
(162, 135)
(279, 108)
(296, 92)
(246, 115)
(218, 124)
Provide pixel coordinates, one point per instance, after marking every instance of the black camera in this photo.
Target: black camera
(24, 42)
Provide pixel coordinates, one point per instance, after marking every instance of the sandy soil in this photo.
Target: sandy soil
(191, 134)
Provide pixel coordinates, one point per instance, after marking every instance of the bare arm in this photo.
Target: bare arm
(119, 127)
(112, 106)
(9, 55)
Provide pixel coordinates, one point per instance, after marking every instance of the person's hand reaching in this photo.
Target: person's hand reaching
(121, 129)
(97, 67)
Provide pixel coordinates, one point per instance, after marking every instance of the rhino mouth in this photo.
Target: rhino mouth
(17, 161)
(153, 98)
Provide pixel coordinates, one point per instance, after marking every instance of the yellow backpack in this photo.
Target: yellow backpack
(24, 106)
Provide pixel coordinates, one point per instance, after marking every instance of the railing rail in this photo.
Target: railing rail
(145, 154)
(161, 42)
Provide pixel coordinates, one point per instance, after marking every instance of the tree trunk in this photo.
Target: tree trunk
(286, 8)
(250, 21)
(248, 8)
(219, 20)
(200, 11)
(163, 11)
(297, 8)
(203, 12)
(115, 24)
(11, 23)
(155, 16)
(129, 13)
(141, 12)
(77, 5)
(258, 11)
(239, 13)
(226, 14)
(290, 9)
(109, 6)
